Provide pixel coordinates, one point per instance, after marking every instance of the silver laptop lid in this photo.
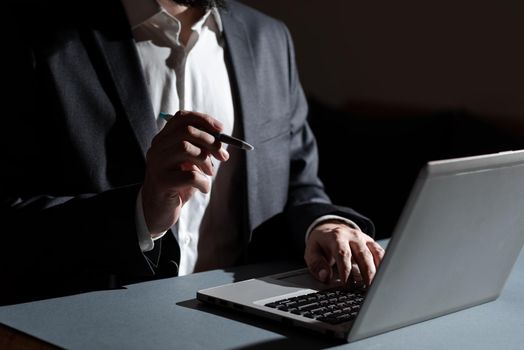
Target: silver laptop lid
(460, 233)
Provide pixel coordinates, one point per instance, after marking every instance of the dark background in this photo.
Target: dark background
(392, 85)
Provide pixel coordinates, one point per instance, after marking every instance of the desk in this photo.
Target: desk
(164, 314)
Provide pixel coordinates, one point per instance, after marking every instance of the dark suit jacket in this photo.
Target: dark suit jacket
(78, 122)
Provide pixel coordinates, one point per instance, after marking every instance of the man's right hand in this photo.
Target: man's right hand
(177, 164)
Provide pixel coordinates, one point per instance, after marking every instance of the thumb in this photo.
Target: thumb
(318, 266)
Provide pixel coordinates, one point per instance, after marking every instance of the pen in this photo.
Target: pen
(230, 140)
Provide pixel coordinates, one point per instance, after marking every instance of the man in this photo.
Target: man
(97, 186)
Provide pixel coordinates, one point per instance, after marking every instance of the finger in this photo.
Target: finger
(192, 178)
(377, 251)
(364, 260)
(200, 120)
(199, 136)
(202, 163)
(355, 271)
(205, 141)
(186, 152)
(342, 254)
(317, 264)
(170, 141)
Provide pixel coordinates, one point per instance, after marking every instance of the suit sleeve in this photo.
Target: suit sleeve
(47, 231)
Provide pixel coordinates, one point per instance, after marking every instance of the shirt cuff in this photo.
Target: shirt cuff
(145, 239)
(330, 217)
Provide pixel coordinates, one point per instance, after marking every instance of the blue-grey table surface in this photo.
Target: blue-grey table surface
(164, 314)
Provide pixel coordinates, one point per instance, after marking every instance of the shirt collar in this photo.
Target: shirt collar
(139, 12)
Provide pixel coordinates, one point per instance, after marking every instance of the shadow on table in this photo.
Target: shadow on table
(295, 338)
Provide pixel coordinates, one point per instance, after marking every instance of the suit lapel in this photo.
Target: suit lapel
(242, 66)
(121, 57)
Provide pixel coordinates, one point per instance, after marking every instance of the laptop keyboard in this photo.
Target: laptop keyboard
(332, 306)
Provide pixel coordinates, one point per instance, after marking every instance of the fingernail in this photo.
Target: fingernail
(323, 275)
(224, 154)
(217, 124)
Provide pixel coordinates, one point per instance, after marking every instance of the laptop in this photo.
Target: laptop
(454, 246)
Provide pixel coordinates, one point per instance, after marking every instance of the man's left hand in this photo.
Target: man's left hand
(333, 242)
